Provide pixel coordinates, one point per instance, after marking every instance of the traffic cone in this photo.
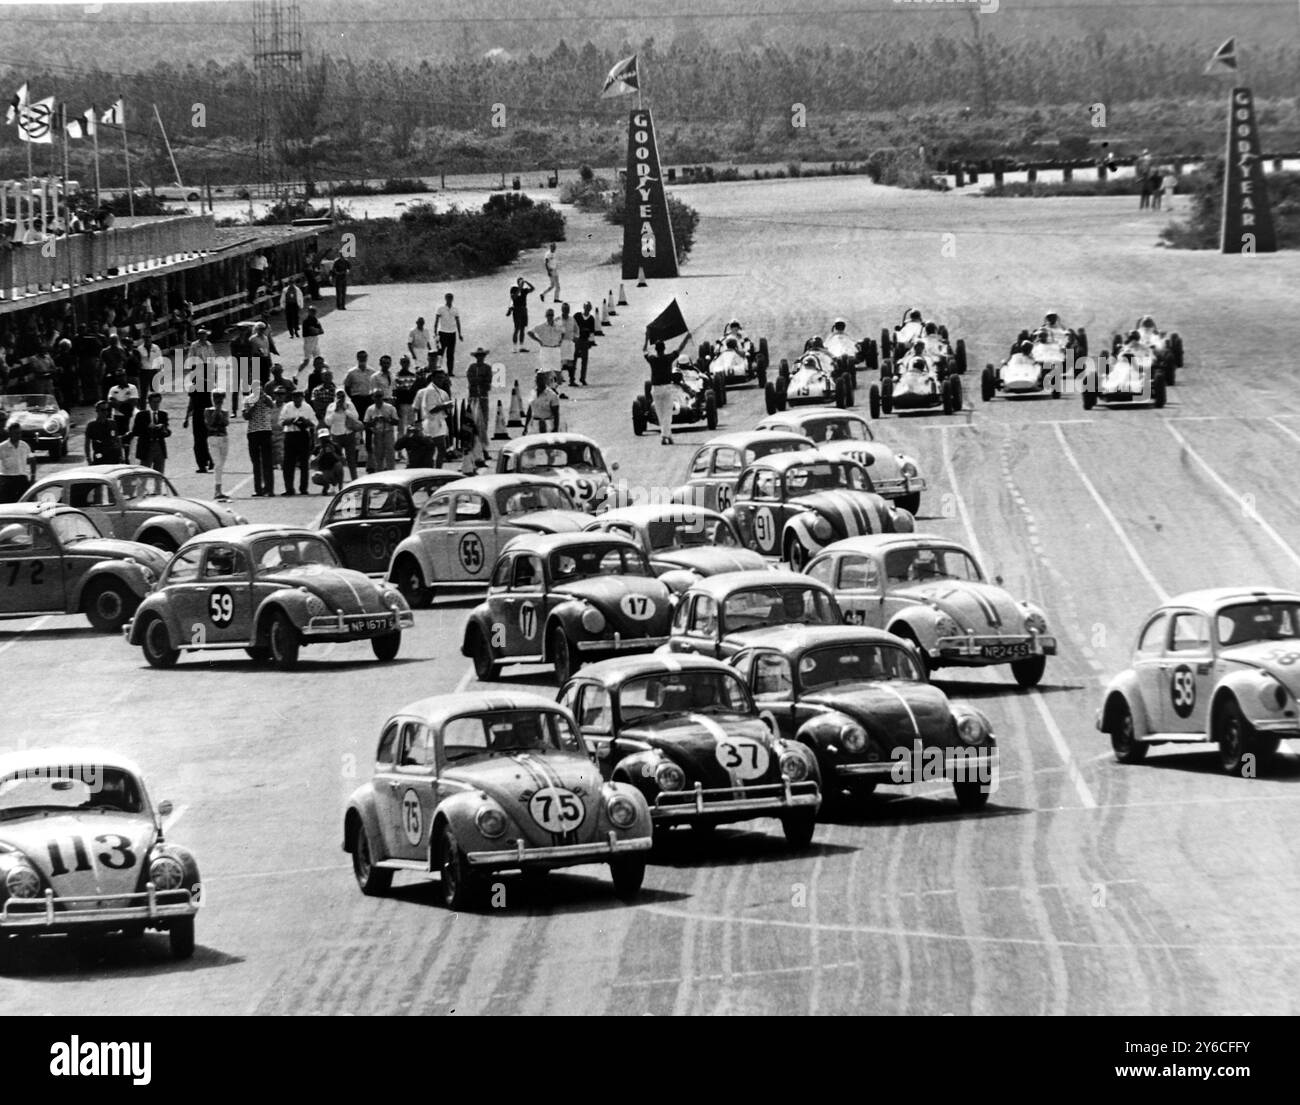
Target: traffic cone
(640, 278)
(499, 432)
(611, 302)
(604, 312)
(622, 296)
(516, 407)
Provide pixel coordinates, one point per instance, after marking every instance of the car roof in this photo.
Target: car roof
(726, 582)
(742, 438)
(797, 638)
(488, 483)
(563, 438)
(1211, 599)
(881, 542)
(646, 513)
(807, 414)
(249, 532)
(82, 471)
(437, 709)
(27, 759)
(783, 461)
(545, 543)
(618, 669)
(35, 509)
(403, 477)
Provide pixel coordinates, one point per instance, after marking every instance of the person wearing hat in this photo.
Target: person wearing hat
(299, 423)
(381, 431)
(311, 335)
(218, 422)
(327, 464)
(103, 445)
(405, 385)
(198, 361)
(479, 378)
(586, 323)
(151, 431)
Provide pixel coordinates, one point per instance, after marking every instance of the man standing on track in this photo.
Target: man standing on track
(418, 342)
(479, 378)
(260, 410)
(661, 386)
(552, 274)
(446, 321)
(586, 323)
(151, 431)
(299, 422)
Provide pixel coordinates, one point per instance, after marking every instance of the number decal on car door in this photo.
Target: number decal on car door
(528, 621)
(724, 496)
(471, 553)
(765, 529)
(412, 818)
(221, 607)
(1182, 691)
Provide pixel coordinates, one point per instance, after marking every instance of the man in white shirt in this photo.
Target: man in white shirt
(125, 397)
(552, 265)
(418, 343)
(299, 422)
(341, 420)
(431, 407)
(446, 321)
(17, 465)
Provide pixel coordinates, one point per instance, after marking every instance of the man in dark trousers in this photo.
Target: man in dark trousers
(342, 266)
(103, 446)
(299, 422)
(260, 410)
(446, 323)
(151, 431)
(587, 323)
(86, 350)
(479, 378)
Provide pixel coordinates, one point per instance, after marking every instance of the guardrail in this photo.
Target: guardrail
(35, 267)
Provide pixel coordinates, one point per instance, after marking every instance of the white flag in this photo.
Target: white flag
(18, 102)
(622, 79)
(115, 116)
(36, 122)
(83, 125)
(1224, 57)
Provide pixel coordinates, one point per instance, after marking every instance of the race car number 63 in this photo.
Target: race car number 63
(556, 809)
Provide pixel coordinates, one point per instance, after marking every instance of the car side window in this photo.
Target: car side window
(24, 538)
(858, 573)
(416, 745)
(745, 488)
(52, 494)
(503, 571)
(387, 750)
(704, 619)
(726, 461)
(527, 575)
(347, 506)
(594, 709)
(822, 570)
(682, 614)
(1189, 633)
(437, 512)
(700, 465)
(743, 662)
(471, 508)
(224, 562)
(91, 493)
(857, 478)
(766, 485)
(184, 567)
(387, 502)
(1152, 639)
(771, 676)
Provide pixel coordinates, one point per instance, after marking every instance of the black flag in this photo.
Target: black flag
(667, 325)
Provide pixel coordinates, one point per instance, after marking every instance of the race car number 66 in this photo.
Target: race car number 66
(556, 809)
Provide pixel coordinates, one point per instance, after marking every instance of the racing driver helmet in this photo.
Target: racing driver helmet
(1026, 347)
(839, 326)
(1146, 322)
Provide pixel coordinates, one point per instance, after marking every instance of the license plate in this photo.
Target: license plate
(1007, 652)
(371, 625)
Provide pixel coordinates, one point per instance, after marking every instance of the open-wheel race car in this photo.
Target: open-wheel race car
(1135, 375)
(1165, 346)
(1039, 361)
(849, 352)
(816, 377)
(696, 398)
(735, 359)
(931, 337)
(916, 383)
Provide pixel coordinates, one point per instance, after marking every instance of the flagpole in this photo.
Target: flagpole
(126, 152)
(175, 171)
(94, 134)
(67, 217)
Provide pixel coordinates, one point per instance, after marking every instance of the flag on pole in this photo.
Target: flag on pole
(668, 324)
(36, 122)
(1225, 56)
(83, 125)
(18, 102)
(622, 79)
(115, 116)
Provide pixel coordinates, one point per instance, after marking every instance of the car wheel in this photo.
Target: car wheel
(783, 369)
(910, 503)
(283, 641)
(711, 411)
(259, 653)
(485, 668)
(908, 635)
(157, 645)
(628, 875)
(159, 539)
(841, 393)
(769, 394)
(1158, 393)
(638, 417)
(762, 375)
(1235, 737)
(409, 578)
(988, 383)
(180, 936)
(795, 554)
(1123, 741)
(372, 880)
(961, 356)
(762, 355)
(887, 396)
(948, 406)
(956, 392)
(873, 401)
(386, 645)
(457, 881)
(109, 605)
(799, 828)
(1029, 671)
(1091, 387)
(971, 796)
(562, 655)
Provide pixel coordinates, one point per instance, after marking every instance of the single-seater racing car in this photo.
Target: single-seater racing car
(735, 358)
(695, 399)
(1136, 375)
(816, 377)
(895, 344)
(1165, 345)
(916, 383)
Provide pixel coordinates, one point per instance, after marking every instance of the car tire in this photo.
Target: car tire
(908, 635)
(1091, 389)
(769, 394)
(871, 355)
(485, 668)
(887, 396)
(783, 393)
(156, 644)
(373, 881)
(1235, 737)
(711, 411)
(956, 393)
(562, 657)
(409, 577)
(795, 554)
(386, 646)
(1029, 671)
(763, 358)
(762, 376)
(886, 342)
(988, 383)
(639, 420)
(799, 828)
(1159, 396)
(873, 400)
(842, 392)
(258, 653)
(180, 937)
(457, 879)
(910, 502)
(628, 875)
(1124, 744)
(283, 641)
(108, 605)
(961, 356)
(159, 539)
(971, 796)
(783, 369)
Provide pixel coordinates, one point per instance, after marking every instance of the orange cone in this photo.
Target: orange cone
(640, 278)
(611, 302)
(622, 296)
(604, 313)
(499, 431)
(516, 407)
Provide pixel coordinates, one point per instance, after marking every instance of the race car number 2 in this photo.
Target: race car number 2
(745, 759)
(556, 809)
(471, 553)
(36, 572)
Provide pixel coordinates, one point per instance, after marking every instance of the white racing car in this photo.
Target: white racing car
(695, 399)
(1165, 345)
(1136, 375)
(735, 359)
(816, 377)
(917, 383)
(932, 338)
(851, 353)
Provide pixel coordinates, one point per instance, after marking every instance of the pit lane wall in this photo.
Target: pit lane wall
(648, 244)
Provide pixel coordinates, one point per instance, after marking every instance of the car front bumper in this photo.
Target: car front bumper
(559, 855)
(896, 488)
(721, 804)
(992, 649)
(959, 763)
(619, 643)
(351, 627)
(51, 914)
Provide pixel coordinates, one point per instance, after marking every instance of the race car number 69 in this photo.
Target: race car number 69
(556, 809)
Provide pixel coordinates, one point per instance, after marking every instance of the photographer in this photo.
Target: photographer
(299, 422)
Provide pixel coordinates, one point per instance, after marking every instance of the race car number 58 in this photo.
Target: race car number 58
(556, 809)
(1182, 691)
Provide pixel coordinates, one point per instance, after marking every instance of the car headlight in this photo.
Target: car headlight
(239, 519)
(191, 526)
(907, 466)
(822, 529)
(593, 621)
(621, 810)
(166, 872)
(52, 426)
(668, 776)
(793, 766)
(491, 822)
(1272, 696)
(970, 729)
(946, 627)
(1035, 622)
(23, 882)
(853, 738)
(393, 599)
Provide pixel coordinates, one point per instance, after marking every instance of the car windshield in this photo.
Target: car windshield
(690, 532)
(36, 404)
(528, 497)
(803, 478)
(138, 485)
(919, 563)
(1258, 621)
(279, 553)
(572, 454)
(682, 692)
(506, 731)
(589, 561)
(856, 663)
(767, 448)
(71, 526)
(757, 607)
(837, 428)
(69, 787)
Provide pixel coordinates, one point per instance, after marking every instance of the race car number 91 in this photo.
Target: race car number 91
(556, 809)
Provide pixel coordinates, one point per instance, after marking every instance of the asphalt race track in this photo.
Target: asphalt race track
(1086, 887)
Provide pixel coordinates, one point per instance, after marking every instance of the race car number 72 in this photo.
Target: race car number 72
(16, 567)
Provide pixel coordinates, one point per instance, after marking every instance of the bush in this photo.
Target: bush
(586, 194)
(1018, 189)
(399, 185)
(146, 203)
(681, 216)
(282, 212)
(1202, 228)
(355, 188)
